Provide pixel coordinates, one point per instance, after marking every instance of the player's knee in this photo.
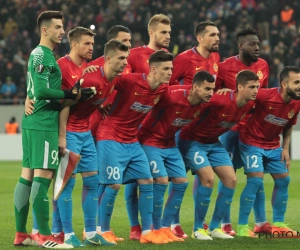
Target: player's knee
(230, 182)
(27, 174)
(161, 180)
(115, 186)
(145, 181)
(208, 182)
(282, 182)
(179, 180)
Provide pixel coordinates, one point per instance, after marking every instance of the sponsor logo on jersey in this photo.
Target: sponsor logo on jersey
(40, 68)
(291, 114)
(140, 107)
(260, 75)
(215, 67)
(74, 76)
(156, 99)
(198, 68)
(196, 114)
(178, 122)
(226, 124)
(276, 120)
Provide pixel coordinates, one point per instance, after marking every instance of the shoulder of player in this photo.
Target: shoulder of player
(265, 94)
(98, 61)
(262, 62)
(42, 56)
(220, 100)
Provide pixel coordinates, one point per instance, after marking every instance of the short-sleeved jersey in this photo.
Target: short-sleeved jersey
(133, 102)
(71, 72)
(80, 113)
(96, 116)
(138, 59)
(189, 62)
(171, 113)
(220, 116)
(231, 66)
(43, 69)
(271, 115)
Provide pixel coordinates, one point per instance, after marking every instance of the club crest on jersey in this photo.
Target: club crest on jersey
(260, 75)
(156, 99)
(291, 114)
(215, 67)
(196, 114)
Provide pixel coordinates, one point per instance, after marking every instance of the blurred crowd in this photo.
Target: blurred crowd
(275, 20)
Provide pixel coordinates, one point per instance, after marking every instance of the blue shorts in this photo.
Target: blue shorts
(82, 143)
(121, 162)
(198, 155)
(262, 160)
(165, 162)
(230, 141)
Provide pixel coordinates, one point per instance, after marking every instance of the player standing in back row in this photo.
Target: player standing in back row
(159, 30)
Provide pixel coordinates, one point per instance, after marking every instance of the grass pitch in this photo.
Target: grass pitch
(10, 173)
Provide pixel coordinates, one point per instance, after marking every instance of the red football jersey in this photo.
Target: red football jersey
(220, 116)
(133, 102)
(96, 116)
(171, 113)
(271, 115)
(79, 114)
(138, 59)
(70, 72)
(189, 62)
(231, 66)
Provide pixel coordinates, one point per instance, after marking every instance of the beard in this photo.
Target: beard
(213, 48)
(292, 94)
(249, 57)
(160, 45)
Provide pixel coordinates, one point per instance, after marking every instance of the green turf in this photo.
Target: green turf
(10, 172)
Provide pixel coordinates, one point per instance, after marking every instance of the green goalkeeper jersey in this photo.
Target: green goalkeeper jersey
(44, 87)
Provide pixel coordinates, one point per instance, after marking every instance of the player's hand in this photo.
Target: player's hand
(29, 108)
(62, 144)
(285, 156)
(87, 93)
(75, 92)
(90, 69)
(104, 110)
(222, 91)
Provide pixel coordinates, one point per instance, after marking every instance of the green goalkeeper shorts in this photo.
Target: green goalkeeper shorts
(40, 149)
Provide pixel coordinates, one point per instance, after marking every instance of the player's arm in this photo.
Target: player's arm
(221, 76)
(286, 135)
(63, 119)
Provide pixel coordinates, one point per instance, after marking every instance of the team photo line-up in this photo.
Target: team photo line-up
(140, 117)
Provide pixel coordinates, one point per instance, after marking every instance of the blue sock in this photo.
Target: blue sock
(226, 218)
(90, 201)
(158, 202)
(64, 203)
(279, 198)
(202, 201)
(259, 206)
(247, 199)
(131, 200)
(173, 203)
(146, 205)
(107, 207)
(34, 224)
(101, 189)
(221, 208)
(176, 216)
(56, 221)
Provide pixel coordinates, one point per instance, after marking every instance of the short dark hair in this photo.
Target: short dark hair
(244, 32)
(160, 56)
(202, 76)
(286, 70)
(46, 16)
(200, 28)
(76, 33)
(244, 76)
(114, 45)
(113, 32)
